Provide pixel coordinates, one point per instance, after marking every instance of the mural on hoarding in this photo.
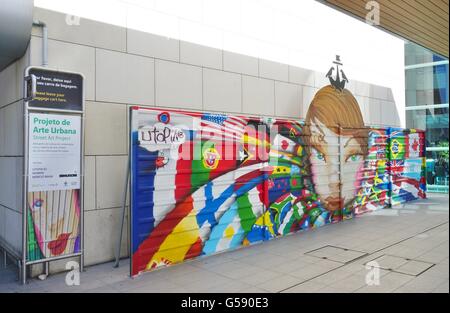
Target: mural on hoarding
(204, 183)
(53, 224)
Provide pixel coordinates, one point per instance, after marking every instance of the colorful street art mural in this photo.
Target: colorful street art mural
(203, 183)
(53, 224)
(407, 165)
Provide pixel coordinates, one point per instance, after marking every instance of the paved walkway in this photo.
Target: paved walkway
(410, 244)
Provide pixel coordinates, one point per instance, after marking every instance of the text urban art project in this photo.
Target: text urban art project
(204, 183)
(53, 224)
(54, 182)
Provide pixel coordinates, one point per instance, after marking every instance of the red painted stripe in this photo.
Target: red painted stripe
(195, 250)
(215, 137)
(406, 145)
(234, 124)
(218, 128)
(263, 192)
(184, 171)
(151, 245)
(247, 177)
(212, 133)
(236, 120)
(398, 180)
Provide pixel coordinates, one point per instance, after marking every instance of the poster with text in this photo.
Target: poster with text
(54, 152)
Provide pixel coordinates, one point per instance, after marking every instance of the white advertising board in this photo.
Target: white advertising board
(54, 152)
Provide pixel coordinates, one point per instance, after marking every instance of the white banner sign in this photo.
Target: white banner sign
(54, 147)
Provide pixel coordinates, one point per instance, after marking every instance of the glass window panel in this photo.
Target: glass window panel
(437, 168)
(434, 121)
(428, 85)
(440, 73)
(415, 54)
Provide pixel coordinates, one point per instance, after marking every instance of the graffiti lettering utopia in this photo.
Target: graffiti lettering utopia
(161, 135)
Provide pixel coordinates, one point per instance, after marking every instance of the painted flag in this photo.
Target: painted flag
(397, 146)
(221, 127)
(166, 243)
(415, 145)
(236, 223)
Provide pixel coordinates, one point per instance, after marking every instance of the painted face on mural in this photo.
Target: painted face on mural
(55, 216)
(326, 162)
(337, 143)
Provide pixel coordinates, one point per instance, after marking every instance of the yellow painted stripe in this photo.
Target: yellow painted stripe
(178, 243)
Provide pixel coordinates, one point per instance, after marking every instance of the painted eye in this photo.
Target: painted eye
(318, 155)
(37, 204)
(354, 157)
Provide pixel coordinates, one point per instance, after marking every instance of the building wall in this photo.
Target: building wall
(125, 67)
(11, 153)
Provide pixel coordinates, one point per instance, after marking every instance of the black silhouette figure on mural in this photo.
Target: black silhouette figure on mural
(337, 82)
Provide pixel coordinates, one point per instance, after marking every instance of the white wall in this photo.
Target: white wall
(305, 34)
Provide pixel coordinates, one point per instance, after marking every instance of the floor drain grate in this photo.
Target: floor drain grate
(336, 254)
(402, 265)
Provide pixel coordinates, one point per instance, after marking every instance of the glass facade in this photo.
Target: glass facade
(427, 108)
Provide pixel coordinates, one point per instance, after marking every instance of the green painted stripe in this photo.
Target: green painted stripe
(245, 212)
(287, 228)
(34, 251)
(200, 174)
